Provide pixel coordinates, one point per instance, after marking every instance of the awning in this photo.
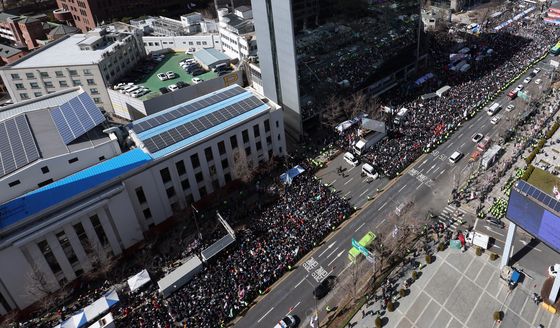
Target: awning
(288, 176)
(92, 311)
(180, 276)
(138, 280)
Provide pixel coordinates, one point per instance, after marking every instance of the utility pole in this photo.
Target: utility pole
(195, 214)
(418, 36)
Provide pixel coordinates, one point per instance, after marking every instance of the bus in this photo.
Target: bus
(366, 241)
(556, 49)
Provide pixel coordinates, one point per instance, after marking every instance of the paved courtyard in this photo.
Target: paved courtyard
(463, 290)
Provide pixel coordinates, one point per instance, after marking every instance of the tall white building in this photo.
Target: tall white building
(237, 32)
(93, 61)
(179, 155)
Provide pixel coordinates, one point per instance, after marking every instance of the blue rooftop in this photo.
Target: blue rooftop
(66, 188)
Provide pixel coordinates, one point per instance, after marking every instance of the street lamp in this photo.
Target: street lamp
(195, 214)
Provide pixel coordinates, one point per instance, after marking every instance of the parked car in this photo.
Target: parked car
(495, 119)
(324, 287)
(162, 76)
(351, 159)
(527, 79)
(510, 107)
(182, 84)
(197, 80)
(171, 75)
(553, 270)
(538, 81)
(173, 87)
(289, 321)
(477, 137)
(455, 157)
(163, 90)
(198, 72)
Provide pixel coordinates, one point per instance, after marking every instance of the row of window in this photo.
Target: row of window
(71, 72)
(49, 84)
(190, 43)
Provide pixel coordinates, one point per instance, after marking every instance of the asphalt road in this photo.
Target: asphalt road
(427, 184)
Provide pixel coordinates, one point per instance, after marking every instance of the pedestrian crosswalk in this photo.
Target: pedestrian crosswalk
(451, 216)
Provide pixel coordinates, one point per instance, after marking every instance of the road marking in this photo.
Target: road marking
(302, 280)
(327, 248)
(363, 193)
(333, 181)
(347, 182)
(360, 226)
(420, 185)
(442, 172)
(424, 162)
(494, 231)
(431, 168)
(462, 145)
(334, 250)
(348, 193)
(382, 206)
(337, 256)
(460, 135)
(272, 308)
(526, 243)
(402, 187)
(293, 308)
(349, 264)
(380, 223)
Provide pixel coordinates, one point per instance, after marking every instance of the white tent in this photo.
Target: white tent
(138, 280)
(92, 311)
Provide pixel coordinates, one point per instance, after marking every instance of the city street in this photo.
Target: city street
(427, 184)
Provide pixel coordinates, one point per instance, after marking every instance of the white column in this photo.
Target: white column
(61, 257)
(218, 163)
(93, 240)
(2, 310)
(508, 247)
(108, 228)
(41, 264)
(192, 178)
(77, 247)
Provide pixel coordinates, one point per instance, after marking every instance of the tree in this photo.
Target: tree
(37, 287)
(242, 168)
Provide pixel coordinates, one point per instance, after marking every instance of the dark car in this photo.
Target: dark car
(192, 68)
(163, 90)
(182, 84)
(198, 72)
(222, 73)
(324, 287)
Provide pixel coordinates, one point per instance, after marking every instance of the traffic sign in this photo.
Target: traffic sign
(360, 248)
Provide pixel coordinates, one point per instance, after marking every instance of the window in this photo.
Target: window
(72, 160)
(90, 81)
(256, 131)
(49, 84)
(44, 183)
(45, 169)
(67, 248)
(225, 164)
(221, 147)
(190, 43)
(94, 91)
(140, 195)
(277, 124)
(180, 165)
(165, 175)
(245, 134)
(15, 77)
(208, 153)
(59, 74)
(63, 83)
(248, 150)
(259, 145)
(99, 230)
(266, 125)
(20, 86)
(233, 141)
(14, 183)
(87, 72)
(37, 94)
(268, 140)
(82, 236)
(194, 161)
(44, 74)
(199, 177)
(197, 43)
(49, 256)
(170, 192)
(34, 85)
(24, 96)
(101, 158)
(147, 214)
(185, 184)
(279, 137)
(202, 191)
(73, 72)
(30, 75)
(76, 82)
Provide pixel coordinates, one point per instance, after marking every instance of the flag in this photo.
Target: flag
(296, 251)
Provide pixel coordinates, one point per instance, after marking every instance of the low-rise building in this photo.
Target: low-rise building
(22, 31)
(237, 32)
(180, 155)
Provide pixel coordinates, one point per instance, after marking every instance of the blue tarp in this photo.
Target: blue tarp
(288, 176)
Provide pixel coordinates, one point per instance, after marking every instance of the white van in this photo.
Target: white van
(350, 159)
(369, 171)
(494, 109)
(455, 157)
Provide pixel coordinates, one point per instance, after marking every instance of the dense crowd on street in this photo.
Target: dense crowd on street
(514, 47)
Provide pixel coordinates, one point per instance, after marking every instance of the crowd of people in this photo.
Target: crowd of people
(514, 48)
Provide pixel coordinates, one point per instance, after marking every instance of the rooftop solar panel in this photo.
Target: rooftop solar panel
(189, 129)
(186, 110)
(542, 197)
(76, 117)
(17, 145)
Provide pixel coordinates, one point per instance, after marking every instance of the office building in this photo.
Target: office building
(93, 60)
(237, 32)
(179, 155)
(310, 50)
(22, 31)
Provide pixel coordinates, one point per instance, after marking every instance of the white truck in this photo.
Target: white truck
(400, 115)
(478, 239)
(367, 141)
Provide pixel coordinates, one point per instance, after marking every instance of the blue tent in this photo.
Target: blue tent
(288, 176)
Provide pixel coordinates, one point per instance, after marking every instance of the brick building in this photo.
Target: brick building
(22, 31)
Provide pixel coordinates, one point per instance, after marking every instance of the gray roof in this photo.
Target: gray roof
(7, 51)
(239, 23)
(210, 56)
(26, 20)
(63, 29)
(46, 101)
(243, 8)
(5, 16)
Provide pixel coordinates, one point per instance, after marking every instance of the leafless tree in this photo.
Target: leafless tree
(37, 285)
(242, 168)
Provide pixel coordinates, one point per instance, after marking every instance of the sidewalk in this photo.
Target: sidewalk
(461, 290)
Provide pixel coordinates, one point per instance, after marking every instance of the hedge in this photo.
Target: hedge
(552, 130)
(528, 172)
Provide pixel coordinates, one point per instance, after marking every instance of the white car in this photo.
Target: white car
(553, 270)
(173, 87)
(537, 70)
(495, 119)
(455, 157)
(197, 80)
(170, 75)
(477, 137)
(538, 81)
(527, 79)
(162, 76)
(510, 107)
(351, 159)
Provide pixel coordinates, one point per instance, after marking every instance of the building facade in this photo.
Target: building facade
(332, 48)
(93, 60)
(69, 227)
(22, 31)
(237, 32)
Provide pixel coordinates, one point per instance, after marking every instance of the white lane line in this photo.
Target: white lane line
(462, 145)
(382, 206)
(442, 172)
(349, 264)
(360, 227)
(336, 257)
(363, 193)
(424, 162)
(431, 168)
(402, 187)
(420, 185)
(293, 308)
(299, 283)
(461, 135)
(347, 182)
(346, 194)
(327, 248)
(483, 126)
(272, 308)
(380, 223)
(333, 181)
(334, 250)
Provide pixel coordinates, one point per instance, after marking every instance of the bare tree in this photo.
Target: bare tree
(242, 168)
(37, 287)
